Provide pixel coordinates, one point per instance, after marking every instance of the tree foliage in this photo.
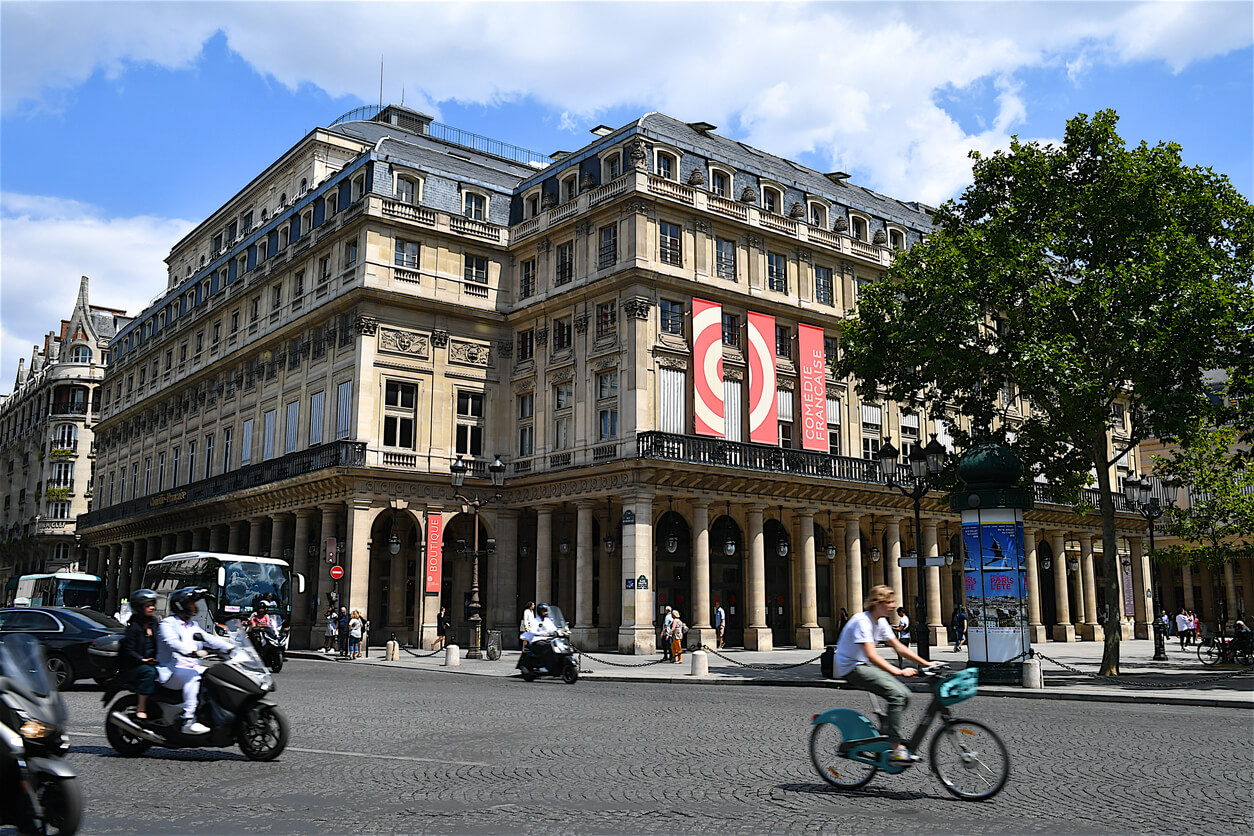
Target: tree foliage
(1079, 275)
(1217, 526)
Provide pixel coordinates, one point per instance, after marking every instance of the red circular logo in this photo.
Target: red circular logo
(337, 572)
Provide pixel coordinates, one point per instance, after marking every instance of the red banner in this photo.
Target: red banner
(813, 380)
(435, 549)
(707, 376)
(763, 411)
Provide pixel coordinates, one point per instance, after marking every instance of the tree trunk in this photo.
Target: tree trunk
(1110, 566)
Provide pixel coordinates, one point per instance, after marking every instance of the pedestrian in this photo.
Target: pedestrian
(1165, 622)
(333, 623)
(342, 628)
(960, 629)
(842, 621)
(903, 626)
(666, 625)
(720, 624)
(355, 624)
(676, 635)
(528, 623)
(441, 629)
(1182, 627)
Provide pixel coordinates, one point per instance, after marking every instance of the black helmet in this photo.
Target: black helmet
(182, 600)
(543, 609)
(141, 598)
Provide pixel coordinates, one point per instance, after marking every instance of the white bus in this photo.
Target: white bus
(235, 583)
(60, 589)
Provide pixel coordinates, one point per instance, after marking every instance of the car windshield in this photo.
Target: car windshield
(248, 582)
(22, 663)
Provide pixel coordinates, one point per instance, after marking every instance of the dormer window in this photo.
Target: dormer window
(285, 233)
(80, 354)
(533, 205)
(407, 190)
(612, 167)
(817, 215)
(330, 204)
(667, 165)
(896, 239)
(358, 187)
(720, 182)
(306, 222)
(772, 199)
(304, 185)
(570, 188)
(858, 227)
(474, 206)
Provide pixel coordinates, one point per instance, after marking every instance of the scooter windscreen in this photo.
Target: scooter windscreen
(22, 663)
(244, 654)
(559, 620)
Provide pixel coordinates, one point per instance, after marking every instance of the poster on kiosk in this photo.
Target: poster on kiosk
(995, 580)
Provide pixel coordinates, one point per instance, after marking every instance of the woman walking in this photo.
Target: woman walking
(355, 624)
(441, 629)
(676, 635)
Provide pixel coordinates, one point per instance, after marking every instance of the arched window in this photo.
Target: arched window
(667, 165)
(331, 203)
(817, 214)
(896, 239)
(772, 199)
(65, 436)
(720, 182)
(858, 227)
(80, 354)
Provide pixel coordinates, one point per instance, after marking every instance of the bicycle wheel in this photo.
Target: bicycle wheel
(970, 760)
(833, 767)
(1209, 653)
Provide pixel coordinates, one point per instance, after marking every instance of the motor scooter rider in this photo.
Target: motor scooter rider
(178, 648)
(261, 616)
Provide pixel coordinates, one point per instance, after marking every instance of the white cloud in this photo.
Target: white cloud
(49, 244)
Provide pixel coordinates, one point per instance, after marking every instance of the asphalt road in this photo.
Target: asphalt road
(379, 750)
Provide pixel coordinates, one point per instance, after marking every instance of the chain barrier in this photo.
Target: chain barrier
(583, 653)
(752, 666)
(422, 655)
(1159, 685)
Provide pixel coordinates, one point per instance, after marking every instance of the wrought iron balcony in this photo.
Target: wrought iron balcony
(760, 457)
(322, 457)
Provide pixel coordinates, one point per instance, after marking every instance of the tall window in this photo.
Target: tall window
(400, 402)
(565, 262)
(667, 165)
(731, 330)
(527, 278)
(670, 250)
(476, 269)
(175, 460)
(58, 474)
(191, 461)
(857, 228)
(607, 404)
(818, 215)
(823, 285)
(777, 272)
(406, 254)
(725, 259)
(161, 471)
(227, 437)
(407, 190)
(350, 254)
(246, 444)
(562, 334)
(608, 255)
(783, 342)
(474, 206)
(315, 418)
(607, 318)
(267, 438)
(469, 423)
(909, 434)
(831, 351)
(720, 183)
(784, 410)
(208, 455)
(526, 345)
(772, 200)
(344, 409)
(563, 409)
(872, 431)
(833, 426)
(612, 166)
(672, 403)
(671, 317)
(526, 424)
(291, 427)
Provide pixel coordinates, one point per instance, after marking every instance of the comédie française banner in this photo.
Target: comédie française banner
(813, 379)
(763, 412)
(707, 376)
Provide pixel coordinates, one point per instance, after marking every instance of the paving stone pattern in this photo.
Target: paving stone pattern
(381, 750)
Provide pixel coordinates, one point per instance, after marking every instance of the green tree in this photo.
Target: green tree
(1217, 527)
(1081, 275)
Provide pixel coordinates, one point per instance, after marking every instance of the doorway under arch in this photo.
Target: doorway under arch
(727, 577)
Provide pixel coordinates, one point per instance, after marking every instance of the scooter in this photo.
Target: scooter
(234, 704)
(39, 793)
(271, 644)
(550, 655)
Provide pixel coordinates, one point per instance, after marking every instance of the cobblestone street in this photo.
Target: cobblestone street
(381, 750)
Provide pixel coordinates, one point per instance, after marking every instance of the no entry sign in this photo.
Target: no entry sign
(337, 572)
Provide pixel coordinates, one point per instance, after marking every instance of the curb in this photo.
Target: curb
(988, 691)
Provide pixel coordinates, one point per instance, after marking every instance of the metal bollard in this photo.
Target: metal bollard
(393, 651)
(1032, 676)
(452, 656)
(700, 663)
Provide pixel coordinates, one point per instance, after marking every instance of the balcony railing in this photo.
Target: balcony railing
(760, 457)
(69, 409)
(322, 457)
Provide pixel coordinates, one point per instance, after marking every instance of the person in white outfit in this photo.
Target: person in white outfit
(180, 643)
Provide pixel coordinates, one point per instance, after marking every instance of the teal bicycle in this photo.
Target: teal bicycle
(967, 757)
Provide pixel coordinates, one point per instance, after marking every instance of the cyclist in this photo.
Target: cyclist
(861, 666)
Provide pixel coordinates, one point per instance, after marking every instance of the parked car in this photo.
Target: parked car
(67, 636)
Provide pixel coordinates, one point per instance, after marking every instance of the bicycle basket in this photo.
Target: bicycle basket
(961, 686)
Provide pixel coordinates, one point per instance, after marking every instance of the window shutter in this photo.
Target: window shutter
(872, 415)
(833, 411)
(315, 418)
(733, 420)
(783, 404)
(671, 403)
(344, 410)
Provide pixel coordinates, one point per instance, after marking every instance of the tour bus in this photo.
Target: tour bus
(61, 589)
(235, 582)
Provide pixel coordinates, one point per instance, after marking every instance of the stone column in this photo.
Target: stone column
(809, 634)
(503, 579)
(139, 561)
(125, 570)
(544, 553)
(256, 526)
(1036, 630)
(853, 563)
(1230, 598)
(1091, 630)
(278, 535)
(357, 555)
(582, 633)
(702, 632)
(1186, 580)
(215, 538)
(235, 537)
(892, 566)
(109, 571)
(636, 634)
(1064, 631)
(757, 634)
(184, 541)
(1142, 603)
(322, 580)
(200, 539)
(169, 544)
(307, 566)
(935, 620)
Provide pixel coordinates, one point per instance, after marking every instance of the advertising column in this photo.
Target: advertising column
(993, 566)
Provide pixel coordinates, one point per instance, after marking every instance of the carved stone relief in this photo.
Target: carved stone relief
(637, 307)
(733, 373)
(366, 325)
(470, 354)
(410, 343)
(439, 339)
(667, 362)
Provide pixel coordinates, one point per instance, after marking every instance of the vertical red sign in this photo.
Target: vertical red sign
(435, 550)
(813, 381)
(707, 376)
(763, 411)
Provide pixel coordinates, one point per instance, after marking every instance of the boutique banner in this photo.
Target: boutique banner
(435, 551)
(996, 584)
(763, 409)
(707, 376)
(813, 388)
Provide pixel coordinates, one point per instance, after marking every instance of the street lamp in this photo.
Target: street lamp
(925, 463)
(1140, 496)
(458, 470)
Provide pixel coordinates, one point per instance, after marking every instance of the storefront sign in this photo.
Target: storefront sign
(435, 550)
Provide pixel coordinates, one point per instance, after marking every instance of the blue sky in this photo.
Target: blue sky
(124, 124)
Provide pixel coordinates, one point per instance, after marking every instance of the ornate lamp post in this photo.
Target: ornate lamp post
(458, 471)
(925, 463)
(1140, 496)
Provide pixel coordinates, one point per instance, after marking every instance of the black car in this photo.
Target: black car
(66, 636)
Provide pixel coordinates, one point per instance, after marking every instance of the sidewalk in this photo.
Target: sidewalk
(1182, 680)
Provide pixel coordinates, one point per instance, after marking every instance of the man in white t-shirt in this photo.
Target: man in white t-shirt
(861, 666)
